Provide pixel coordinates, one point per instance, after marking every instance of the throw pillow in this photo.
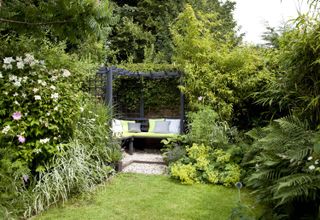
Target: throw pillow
(152, 123)
(161, 127)
(116, 126)
(134, 127)
(174, 127)
(124, 124)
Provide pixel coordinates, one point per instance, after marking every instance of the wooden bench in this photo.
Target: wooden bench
(128, 136)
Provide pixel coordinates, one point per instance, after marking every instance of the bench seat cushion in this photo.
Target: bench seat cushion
(147, 135)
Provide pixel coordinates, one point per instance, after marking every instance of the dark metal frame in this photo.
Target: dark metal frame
(112, 73)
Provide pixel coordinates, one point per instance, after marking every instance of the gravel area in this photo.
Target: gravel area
(154, 163)
(142, 156)
(144, 168)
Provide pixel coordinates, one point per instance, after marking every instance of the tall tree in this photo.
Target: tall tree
(142, 32)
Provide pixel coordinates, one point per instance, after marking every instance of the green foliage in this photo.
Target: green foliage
(78, 167)
(45, 122)
(174, 148)
(142, 31)
(223, 76)
(206, 128)
(74, 172)
(161, 96)
(203, 164)
(93, 132)
(11, 183)
(296, 88)
(286, 169)
(59, 20)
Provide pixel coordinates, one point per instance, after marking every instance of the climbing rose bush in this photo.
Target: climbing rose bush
(38, 106)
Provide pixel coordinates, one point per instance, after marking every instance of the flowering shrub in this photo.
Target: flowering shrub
(38, 106)
(203, 164)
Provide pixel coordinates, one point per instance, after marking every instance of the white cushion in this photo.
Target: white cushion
(116, 126)
(174, 127)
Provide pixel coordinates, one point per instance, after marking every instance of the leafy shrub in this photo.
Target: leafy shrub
(174, 148)
(222, 75)
(36, 128)
(93, 131)
(74, 172)
(204, 164)
(285, 170)
(80, 165)
(207, 128)
(296, 88)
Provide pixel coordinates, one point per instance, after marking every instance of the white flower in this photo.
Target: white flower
(309, 158)
(15, 94)
(65, 73)
(6, 129)
(37, 97)
(81, 109)
(7, 66)
(17, 83)
(93, 119)
(20, 65)
(54, 78)
(53, 87)
(48, 113)
(1, 76)
(24, 79)
(16, 102)
(24, 95)
(316, 162)
(55, 96)
(312, 167)
(8, 60)
(200, 98)
(35, 90)
(41, 62)
(5, 92)
(12, 78)
(41, 82)
(55, 108)
(44, 141)
(29, 58)
(19, 59)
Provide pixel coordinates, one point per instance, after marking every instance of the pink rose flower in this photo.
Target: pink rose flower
(17, 116)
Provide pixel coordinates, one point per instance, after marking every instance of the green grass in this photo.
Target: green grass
(135, 196)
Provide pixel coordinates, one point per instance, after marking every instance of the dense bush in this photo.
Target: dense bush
(202, 164)
(297, 66)
(223, 76)
(85, 161)
(38, 109)
(285, 169)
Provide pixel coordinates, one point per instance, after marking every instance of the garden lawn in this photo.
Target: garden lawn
(137, 196)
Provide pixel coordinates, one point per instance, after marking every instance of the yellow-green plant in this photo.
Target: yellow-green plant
(204, 164)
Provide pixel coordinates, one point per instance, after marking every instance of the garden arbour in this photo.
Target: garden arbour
(108, 78)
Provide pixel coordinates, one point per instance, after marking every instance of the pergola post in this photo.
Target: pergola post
(109, 95)
(182, 113)
(141, 112)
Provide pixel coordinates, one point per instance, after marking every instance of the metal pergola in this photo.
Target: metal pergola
(108, 74)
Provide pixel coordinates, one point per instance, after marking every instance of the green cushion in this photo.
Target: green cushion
(148, 135)
(124, 124)
(152, 123)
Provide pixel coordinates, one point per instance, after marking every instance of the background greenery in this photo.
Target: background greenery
(231, 88)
